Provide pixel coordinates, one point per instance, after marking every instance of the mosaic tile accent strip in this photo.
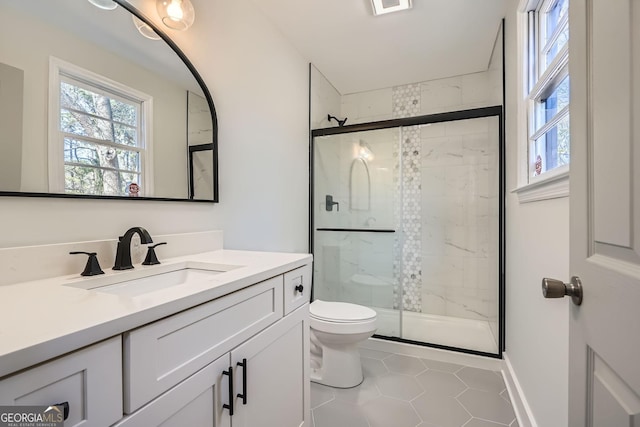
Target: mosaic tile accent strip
(411, 220)
(406, 103)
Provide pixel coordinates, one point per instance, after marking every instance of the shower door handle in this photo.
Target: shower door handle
(553, 288)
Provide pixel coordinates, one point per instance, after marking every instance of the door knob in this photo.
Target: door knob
(552, 288)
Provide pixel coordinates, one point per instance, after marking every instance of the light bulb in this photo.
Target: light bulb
(175, 10)
(176, 14)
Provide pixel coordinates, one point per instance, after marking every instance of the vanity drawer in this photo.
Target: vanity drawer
(297, 288)
(162, 354)
(90, 380)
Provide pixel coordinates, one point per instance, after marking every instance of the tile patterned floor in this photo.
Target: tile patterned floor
(404, 391)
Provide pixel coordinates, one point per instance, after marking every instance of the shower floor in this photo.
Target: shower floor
(436, 329)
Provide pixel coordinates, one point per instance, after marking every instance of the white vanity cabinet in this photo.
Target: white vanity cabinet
(257, 337)
(239, 360)
(270, 385)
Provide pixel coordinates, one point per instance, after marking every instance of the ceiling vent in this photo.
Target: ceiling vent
(386, 6)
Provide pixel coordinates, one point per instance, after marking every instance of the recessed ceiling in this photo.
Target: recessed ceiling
(357, 51)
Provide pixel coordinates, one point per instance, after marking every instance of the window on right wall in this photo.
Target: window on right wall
(544, 31)
(548, 87)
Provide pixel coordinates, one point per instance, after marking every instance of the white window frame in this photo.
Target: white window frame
(554, 183)
(58, 69)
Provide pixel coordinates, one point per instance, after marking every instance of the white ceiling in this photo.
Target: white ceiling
(357, 51)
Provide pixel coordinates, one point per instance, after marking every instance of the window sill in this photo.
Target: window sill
(553, 187)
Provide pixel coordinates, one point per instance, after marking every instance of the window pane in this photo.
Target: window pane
(81, 99)
(88, 180)
(124, 113)
(78, 151)
(85, 100)
(126, 135)
(83, 125)
(554, 15)
(547, 108)
(557, 46)
(551, 150)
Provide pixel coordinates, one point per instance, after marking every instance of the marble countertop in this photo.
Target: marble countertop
(43, 319)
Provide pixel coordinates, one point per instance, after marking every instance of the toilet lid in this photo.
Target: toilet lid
(340, 311)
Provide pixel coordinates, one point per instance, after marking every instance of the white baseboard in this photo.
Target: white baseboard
(518, 401)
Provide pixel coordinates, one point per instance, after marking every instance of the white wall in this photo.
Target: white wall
(537, 239)
(325, 99)
(260, 88)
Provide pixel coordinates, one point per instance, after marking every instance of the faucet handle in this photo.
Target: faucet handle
(93, 267)
(151, 258)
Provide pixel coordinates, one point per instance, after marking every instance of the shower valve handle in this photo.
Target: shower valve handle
(329, 203)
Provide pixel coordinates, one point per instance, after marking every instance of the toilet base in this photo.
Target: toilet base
(340, 367)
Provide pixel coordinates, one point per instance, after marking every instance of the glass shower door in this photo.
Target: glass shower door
(356, 214)
(458, 206)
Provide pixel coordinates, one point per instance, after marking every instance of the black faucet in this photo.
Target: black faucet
(123, 254)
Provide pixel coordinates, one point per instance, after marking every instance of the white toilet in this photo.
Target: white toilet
(336, 330)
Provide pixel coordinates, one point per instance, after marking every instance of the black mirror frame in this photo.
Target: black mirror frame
(214, 120)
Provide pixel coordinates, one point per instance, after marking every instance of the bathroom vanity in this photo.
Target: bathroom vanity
(221, 340)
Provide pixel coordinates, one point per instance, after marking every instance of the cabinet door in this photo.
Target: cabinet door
(90, 380)
(271, 370)
(197, 401)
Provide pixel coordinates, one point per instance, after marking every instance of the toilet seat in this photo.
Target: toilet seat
(341, 318)
(340, 312)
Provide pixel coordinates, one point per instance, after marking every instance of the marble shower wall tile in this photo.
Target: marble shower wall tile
(355, 267)
(368, 106)
(459, 219)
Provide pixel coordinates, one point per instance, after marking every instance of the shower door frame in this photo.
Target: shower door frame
(474, 113)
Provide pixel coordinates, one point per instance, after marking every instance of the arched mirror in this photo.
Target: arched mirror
(93, 107)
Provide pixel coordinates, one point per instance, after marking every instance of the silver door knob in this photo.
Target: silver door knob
(552, 288)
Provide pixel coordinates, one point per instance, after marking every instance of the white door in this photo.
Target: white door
(604, 352)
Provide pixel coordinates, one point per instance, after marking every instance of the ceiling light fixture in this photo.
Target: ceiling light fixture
(176, 14)
(381, 7)
(104, 4)
(145, 29)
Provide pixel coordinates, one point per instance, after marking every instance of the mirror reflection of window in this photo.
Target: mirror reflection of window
(100, 141)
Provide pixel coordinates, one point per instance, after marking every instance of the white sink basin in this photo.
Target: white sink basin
(135, 287)
(152, 281)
